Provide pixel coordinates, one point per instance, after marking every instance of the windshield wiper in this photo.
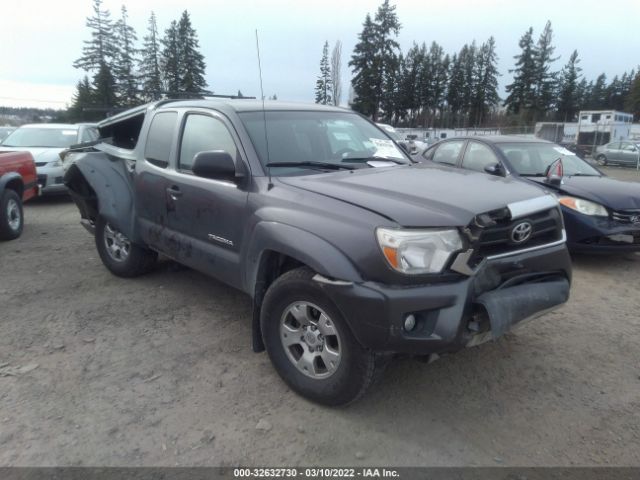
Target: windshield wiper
(373, 159)
(532, 175)
(582, 175)
(322, 165)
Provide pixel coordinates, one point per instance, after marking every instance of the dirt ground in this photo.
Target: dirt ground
(97, 370)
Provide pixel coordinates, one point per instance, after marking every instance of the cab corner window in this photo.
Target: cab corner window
(160, 137)
(448, 152)
(204, 133)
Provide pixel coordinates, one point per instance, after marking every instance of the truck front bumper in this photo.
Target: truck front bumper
(450, 316)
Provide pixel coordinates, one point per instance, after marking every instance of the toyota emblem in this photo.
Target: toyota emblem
(521, 232)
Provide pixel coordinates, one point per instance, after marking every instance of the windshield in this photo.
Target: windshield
(42, 137)
(533, 159)
(317, 138)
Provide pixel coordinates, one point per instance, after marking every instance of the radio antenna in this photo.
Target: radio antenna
(264, 113)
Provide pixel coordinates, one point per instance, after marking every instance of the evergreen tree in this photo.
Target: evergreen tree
(632, 101)
(100, 49)
(323, 83)
(521, 92)
(455, 95)
(485, 95)
(408, 92)
(149, 65)
(124, 61)
(364, 67)
(582, 94)
(336, 69)
(82, 98)
(375, 59)
(239, 95)
(191, 64)
(545, 79)
(569, 89)
(597, 98)
(170, 60)
(104, 87)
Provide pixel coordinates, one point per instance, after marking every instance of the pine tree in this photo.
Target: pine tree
(170, 60)
(455, 96)
(363, 63)
(485, 95)
(192, 66)
(336, 69)
(545, 79)
(408, 95)
(569, 89)
(632, 101)
(82, 98)
(98, 54)
(100, 49)
(124, 61)
(375, 58)
(521, 92)
(149, 65)
(597, 98)
(323, 83)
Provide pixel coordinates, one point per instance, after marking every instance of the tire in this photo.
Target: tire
(354, 367)
(602, 160)
(11, 215)
(122, 257)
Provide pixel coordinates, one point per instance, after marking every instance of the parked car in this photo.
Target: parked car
(601, 214)
(411, 142)
(17, 185)
(349, 250)
(45, 141)
(4, 131)
(620, 152)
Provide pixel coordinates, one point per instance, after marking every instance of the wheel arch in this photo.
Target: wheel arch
(12, 181)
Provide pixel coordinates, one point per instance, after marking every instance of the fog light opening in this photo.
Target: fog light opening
(409, 322)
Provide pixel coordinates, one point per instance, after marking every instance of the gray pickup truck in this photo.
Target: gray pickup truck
(350, 252)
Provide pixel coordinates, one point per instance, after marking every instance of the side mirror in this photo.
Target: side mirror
(493, 169)
(215, 164)
(554, 173)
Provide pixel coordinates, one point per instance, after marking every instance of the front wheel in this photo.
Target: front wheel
(310, 343)
(602, 160)
(11, 218)
(121, 256)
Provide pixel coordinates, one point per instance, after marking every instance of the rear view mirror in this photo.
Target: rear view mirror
(493, 169)
(215, 164)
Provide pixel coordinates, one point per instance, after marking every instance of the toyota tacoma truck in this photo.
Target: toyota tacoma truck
(350, 252)
(17, 185)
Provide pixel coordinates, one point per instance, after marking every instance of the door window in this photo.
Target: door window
(478, 156)
(448, 152)
(203, 133)
(160, 138)
(628, 147)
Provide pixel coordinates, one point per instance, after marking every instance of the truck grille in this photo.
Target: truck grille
(626, 216)
(544, 227)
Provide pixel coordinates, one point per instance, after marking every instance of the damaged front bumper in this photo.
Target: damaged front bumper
(504, 292)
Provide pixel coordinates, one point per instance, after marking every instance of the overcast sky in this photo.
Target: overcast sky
(40, 39)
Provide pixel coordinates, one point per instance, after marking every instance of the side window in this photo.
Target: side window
(477, 156)
(629, 147)
(614, 146)
(448, 152)
(158, 147)
(202, 133)
(88, 135)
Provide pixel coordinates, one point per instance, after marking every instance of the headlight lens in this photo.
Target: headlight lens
(583, 206)
(418, 251)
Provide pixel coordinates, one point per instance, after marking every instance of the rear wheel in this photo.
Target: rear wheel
(11, 215)
(121, 256)
(602, 160)
(310, 343)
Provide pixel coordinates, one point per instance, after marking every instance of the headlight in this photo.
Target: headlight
(55, 163)
(584, 206)
(418, 251)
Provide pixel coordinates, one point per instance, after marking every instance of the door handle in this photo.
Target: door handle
(174, 192)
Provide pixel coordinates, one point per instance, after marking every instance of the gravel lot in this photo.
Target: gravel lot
(159, 371)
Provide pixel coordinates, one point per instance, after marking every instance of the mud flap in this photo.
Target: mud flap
(509, 306)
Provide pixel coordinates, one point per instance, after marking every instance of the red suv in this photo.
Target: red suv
(18, 183)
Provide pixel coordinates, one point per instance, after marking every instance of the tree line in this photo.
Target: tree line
(120, 73)
(427, 87)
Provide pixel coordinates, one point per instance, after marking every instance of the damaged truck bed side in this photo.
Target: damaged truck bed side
(350, 251)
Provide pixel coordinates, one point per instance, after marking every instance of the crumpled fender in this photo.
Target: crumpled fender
(304, 246)
(112, 184)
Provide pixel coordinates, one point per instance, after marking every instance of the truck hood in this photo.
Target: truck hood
(607, 191)
(419, 195)
(40, 154)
